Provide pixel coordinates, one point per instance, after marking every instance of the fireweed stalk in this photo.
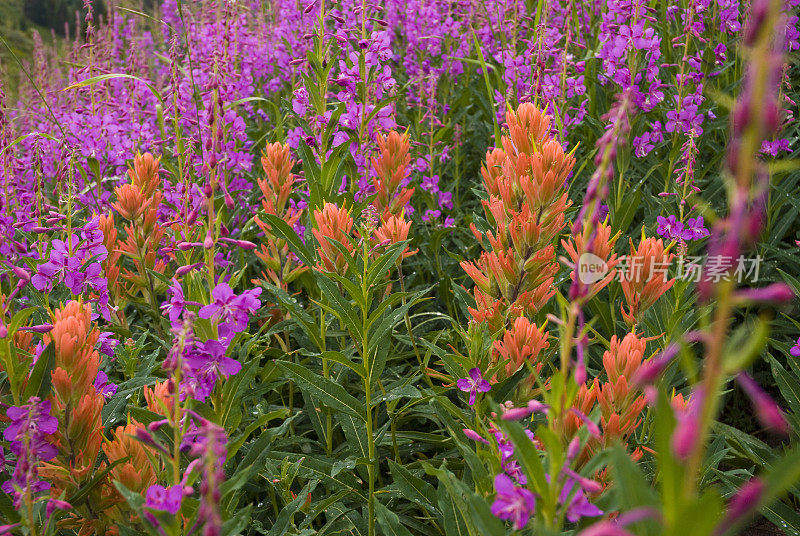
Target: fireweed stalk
(354, 262)
(755, 117)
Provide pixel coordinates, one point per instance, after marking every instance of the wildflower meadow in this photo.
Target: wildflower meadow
(401, 267)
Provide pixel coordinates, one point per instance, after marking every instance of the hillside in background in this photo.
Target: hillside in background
(20, 18)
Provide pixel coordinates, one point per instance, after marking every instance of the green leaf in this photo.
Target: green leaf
(788, 384)
(103, 77)
(339, 357)
(389, 521)
(282, 230)
(330, 393)
(39, 380)
(284, 519)
(339, 308)
(413, 488)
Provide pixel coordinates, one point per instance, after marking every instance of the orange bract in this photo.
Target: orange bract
(391, 168)
(526, 180)
(333, 223)
(645, 278)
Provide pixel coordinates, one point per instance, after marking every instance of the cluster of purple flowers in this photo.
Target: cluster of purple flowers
(207, 444)
(441, 199)
(673, 229)
(515, 503)
(30, 424)
(76, 263)
(203, 362)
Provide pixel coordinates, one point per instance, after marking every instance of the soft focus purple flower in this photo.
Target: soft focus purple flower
(30, 423)
(578, 506)
(103, 386)
(774, 292)
(686, 435)
(164, 499)
(743, 503)
(767, 411)
(474, 384)
(512, 503)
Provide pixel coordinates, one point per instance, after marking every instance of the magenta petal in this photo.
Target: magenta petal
(464, 384)
(475, 374)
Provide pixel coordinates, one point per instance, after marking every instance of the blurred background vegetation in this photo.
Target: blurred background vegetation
(53, 19)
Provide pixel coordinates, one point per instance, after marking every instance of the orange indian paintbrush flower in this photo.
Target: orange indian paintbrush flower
(645, 278)
(332, 223)
(391, 169)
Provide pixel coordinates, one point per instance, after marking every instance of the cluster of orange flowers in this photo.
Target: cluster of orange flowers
(621, 403)
(526, 182)
(334, 225)
(137, 203)
(276, 188)
(78, 406)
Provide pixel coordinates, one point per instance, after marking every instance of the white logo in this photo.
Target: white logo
(591, 268)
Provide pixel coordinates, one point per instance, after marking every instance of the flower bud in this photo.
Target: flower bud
(776, 292)
(475, 436)
(767, 411)
(21, 273)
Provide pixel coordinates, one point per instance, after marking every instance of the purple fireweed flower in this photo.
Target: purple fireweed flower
(30, 423)
(686, 435)
(767, 410)
(203, 364)
(772, 148)
(103, 386)
(578, 506)
(430, 184)
(164, 499)
(795, 350)
(174, 307)
(504, 445)
(230, 310)
(669, 227)
(474, 384)
(694, 229)
(512, 503)
(107, 343)
(431, 215)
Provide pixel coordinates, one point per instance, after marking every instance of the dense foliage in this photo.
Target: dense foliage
(416, 267)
